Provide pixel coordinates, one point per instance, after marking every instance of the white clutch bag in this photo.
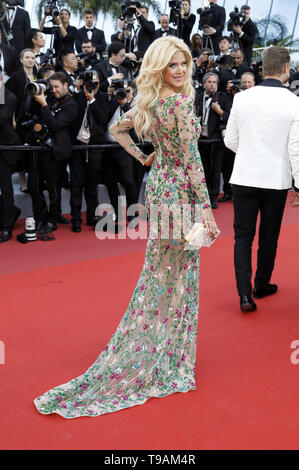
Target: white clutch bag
(199, 237)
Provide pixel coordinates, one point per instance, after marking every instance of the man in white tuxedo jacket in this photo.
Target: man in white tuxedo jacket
(263, 131)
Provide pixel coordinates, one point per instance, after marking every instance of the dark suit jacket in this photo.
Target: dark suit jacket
(105, 71)
(240, 70)
(98, 39)
(146, 34)
(17, 85)
(20, 28)
(218, 24)
(248, 38)
(158, 32)
(97, 116)
(186, 28)
(8, 136)
(60, 41)
(11, 59)
(65, 113)
(214, 119)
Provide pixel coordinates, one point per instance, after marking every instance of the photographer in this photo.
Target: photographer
(64, 33)
(187, 22)
(111, 68)
(16, 25)
(89, 128)
(210, 110)
(69, 66)
(90, 32)
(239, 67)
(35, 41)
(88, 58)
(9, 59)
(118, 165)
(8, 159)
(146, 29)
(246, 32)
(233, 87)
(57, 113)
(165, 29)
(215, 27)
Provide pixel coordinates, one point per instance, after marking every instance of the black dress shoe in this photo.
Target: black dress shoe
(225, 197)
(270, 289)
(5, 235)
(51, 226)
(247, 304)
(214, 205)
(76, 227)
(62, 220)
(41, 227)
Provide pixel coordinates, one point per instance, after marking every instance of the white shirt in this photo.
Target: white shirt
(263, 131)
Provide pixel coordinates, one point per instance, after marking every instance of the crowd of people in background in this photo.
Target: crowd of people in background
(66, 97)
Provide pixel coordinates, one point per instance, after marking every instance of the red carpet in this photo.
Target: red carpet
(60, 303)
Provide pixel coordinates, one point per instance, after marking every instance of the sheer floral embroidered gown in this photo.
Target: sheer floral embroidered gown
(153, 350)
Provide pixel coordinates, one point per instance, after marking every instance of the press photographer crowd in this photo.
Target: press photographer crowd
(62, 100)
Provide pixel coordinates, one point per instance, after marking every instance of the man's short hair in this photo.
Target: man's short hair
(210, 74)
(64, 52)
(237, 49)
(245, 7)
(60, 76)
(248, 73)
(87, 41)
(274, 59)
(227, 38)
(115, 47)
(88, 11)
(145, 7)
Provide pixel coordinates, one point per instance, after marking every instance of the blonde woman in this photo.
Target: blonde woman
(152, 353)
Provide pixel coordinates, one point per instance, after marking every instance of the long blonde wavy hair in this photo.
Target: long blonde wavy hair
(150, 79)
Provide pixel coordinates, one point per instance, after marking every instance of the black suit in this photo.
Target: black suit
(98, 39)
(8, 159)
(11, 59)
(48, 165)
(238, 71)
(118, 167)
(105, 70)
(159, 32)
(20, 28)
(60, 41)
(247, 40)
(212, 153)
(218, 24)
(145, 34)
(17, 85)
(85, 164)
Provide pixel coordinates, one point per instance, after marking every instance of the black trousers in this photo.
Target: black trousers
(211, 157)
(84, 166)
(7, 199)
(118, 166)
(248, 203)
(44, 172)
(227, 169)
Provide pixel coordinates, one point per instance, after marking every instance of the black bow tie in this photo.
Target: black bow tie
(90, 29)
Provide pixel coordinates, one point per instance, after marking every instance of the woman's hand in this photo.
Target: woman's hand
(295, 199)
(209, 221)
(150, 159)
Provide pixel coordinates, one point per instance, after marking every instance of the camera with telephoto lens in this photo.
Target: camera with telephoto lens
(127, 12)
(119, 89)
(206, 17)
(88, 57)
(49, 58)
(175, 11)
(37, 131)
(235, 19)
(90, 80)
(236, 86)
(38, 87)
(51, 9)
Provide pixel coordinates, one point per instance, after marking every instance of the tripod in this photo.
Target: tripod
(207, 43)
